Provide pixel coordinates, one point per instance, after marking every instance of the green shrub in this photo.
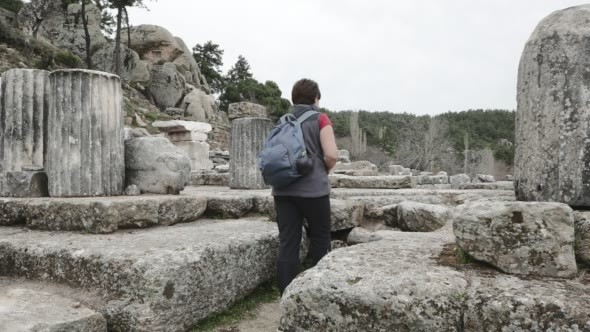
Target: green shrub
(12, 5)
(68, 60)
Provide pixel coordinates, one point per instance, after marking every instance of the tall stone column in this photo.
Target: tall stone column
(24, 103)
(85, 150)
(247, 139)
(552, 160)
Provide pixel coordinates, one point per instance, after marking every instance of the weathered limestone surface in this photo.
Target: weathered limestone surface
(520, 238)
(198, 153)
(29, 309)
(360, 235)
(85, 134)
(373, 182)
(246, 110)
(582, 230)
(247, 140)
(458, 180)
(230, 206)
(179, 126)
(507, 303)
(132, 68)
(398, 284)
(483, 178)
(385, 285)
(362, 165)
(167, 85)
(162, 279)
(156, 166)
(24, 184)
(209, 178)
(420, 217)
(346, 214)
(101, 215)
(552, 159)
(500, 185)
(24, 103)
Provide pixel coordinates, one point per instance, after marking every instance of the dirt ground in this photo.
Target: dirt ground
(266, 320)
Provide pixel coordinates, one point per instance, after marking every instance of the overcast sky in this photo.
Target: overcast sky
(416, 56)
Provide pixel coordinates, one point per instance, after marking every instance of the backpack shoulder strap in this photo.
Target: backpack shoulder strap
(306, 116)
(287, 117)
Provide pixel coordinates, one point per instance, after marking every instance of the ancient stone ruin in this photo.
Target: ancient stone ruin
(106, 227)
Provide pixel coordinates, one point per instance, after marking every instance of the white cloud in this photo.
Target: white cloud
(423, 57)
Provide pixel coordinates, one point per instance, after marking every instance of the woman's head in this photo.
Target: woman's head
(306, 92)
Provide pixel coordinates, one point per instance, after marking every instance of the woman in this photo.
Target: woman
(309, 196)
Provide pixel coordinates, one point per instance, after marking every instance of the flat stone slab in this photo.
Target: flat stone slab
(159, 279)
(179, 126)
(23, 308)
(373, 182)
(500, 185)
(101, 214)
(398, 284)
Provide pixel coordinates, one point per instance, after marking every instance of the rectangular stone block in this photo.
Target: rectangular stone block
(178, 126)
(24, 184)
(187, 136)
(373, 182)
(198, 153)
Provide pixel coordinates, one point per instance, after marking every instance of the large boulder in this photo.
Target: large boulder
(187, 65)
(458, 180)
(420, 217)
(199, 105)
(552, 122)
(156, 166)
(133, 68)
(167, 85)
(48, 21)
(534, 239)
(379, 286)
(483, 178)
(582, 229)
(363, 165)
(154, 43)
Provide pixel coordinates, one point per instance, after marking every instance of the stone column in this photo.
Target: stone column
(552, 160)
(247, 139)
(85, 134)
(23, 107)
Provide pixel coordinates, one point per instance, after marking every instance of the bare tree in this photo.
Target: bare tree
(425, 144)
(86, 35)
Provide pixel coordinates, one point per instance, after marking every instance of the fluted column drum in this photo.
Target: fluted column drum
(247, 140)
(85, 134)
(24, 102)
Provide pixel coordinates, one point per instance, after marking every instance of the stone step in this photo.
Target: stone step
(373, 182)
(158, 279)
(100, 215)
(404, 282)
(26, 306)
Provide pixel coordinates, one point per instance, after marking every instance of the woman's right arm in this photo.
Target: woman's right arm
(328, 141)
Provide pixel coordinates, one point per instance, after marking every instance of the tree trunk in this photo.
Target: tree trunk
(86, 35)
(128, 29)
(466, 153)
(118, 42)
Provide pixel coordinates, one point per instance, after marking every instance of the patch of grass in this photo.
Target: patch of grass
(244, 309)
(463, 256)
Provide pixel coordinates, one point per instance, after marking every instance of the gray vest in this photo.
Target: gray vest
(316, 182)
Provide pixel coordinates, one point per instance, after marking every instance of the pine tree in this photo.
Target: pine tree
(209, 57)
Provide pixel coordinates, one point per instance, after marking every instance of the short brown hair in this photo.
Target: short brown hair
(305, 92)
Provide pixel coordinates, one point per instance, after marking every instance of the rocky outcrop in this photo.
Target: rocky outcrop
(552, 158)
(133, 68)
(200, 106)
(156, 166)
(420, 217)
(521, 238)
(48, 21)
(167, 85)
